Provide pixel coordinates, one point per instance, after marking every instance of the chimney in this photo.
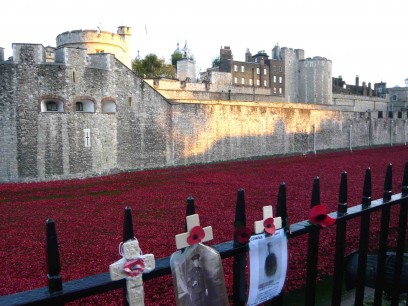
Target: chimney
(357, 81)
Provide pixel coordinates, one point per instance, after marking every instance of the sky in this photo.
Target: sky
(361, 37)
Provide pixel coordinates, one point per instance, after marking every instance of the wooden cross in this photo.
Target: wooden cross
(131, 267)
(193, 223)
(267, 213)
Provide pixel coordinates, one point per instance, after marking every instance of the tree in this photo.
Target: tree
(153, 67)
(216, 61)
(175, 57)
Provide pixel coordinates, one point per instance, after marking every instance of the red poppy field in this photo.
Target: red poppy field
(89, 214)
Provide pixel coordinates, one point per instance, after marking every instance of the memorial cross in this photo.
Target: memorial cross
(195, 233)
(132, 266)
(267, 214)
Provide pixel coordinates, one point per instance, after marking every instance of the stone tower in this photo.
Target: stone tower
(97, 41)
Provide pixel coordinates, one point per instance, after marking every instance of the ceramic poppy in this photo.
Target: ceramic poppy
(196, 235)
(269, 226)
(243, 234)
(319, 216)
(134, 267)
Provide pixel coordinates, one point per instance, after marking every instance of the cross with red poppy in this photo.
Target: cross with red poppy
(195, 233)
(268, 224)
(131, 267)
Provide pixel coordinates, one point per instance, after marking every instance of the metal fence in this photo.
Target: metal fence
(58, 292)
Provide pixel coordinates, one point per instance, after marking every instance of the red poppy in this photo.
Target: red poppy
(243, 234)
(196, 235)
(319, 216)
(134, 267)
(269, 226)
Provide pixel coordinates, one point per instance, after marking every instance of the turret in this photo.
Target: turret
(1, 54)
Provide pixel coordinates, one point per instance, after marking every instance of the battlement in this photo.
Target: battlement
(28, 53)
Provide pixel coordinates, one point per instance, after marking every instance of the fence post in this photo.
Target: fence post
(382, 252)
(281, 212)
(239, 283)
(402, 227)
(364, 237)
(128, 234)
(190, 208)
(340, 242)
(53, 258)
(312, 250)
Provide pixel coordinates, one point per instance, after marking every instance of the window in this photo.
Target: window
(258, 83)
(56, 106)
(258, 71)
(265, 83)
(85, 106)
(130, 101)
(394, 97)
(243, 81)
(235, 80)
(264, 71)
(108, 106)
(51, 106)
(280, 90)
(250, 82)
(280, 80)
(274, 78)
(380, 114)
(242, 68)
(235, 68)
(280, 69)
(274, 68)
(274, 90)
(399, 115)
(79, 107)
(390, 115)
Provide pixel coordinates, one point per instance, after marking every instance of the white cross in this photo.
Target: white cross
(267, 213)
(192, 221)
(131, 267)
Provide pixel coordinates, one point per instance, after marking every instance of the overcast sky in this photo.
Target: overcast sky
(361, 37)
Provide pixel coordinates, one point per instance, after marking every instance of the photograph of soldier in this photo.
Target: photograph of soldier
(197, 283)
(198, 277)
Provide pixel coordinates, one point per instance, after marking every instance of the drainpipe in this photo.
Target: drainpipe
(405, 132)
(392, 122)
(351, 137)
(314, 139)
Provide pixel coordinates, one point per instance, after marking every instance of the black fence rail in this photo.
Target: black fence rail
(59, 292)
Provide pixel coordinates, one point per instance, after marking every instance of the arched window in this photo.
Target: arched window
(108, 106)
(85, 106)
(52, 105)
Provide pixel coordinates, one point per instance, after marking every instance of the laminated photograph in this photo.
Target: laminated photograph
(268, 255)
(198, 277)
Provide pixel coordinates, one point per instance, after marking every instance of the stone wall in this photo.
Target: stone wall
(148, 131)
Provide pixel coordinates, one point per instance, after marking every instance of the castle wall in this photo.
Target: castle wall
(141, 129)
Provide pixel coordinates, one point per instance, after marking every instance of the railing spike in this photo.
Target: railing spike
(281, 205)
(53, 258)
(315, 192)
(366, 201)
(388, 184)
(240, 214)
(190, 208)
(342, 206)
(128, 232)
(405, 180)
